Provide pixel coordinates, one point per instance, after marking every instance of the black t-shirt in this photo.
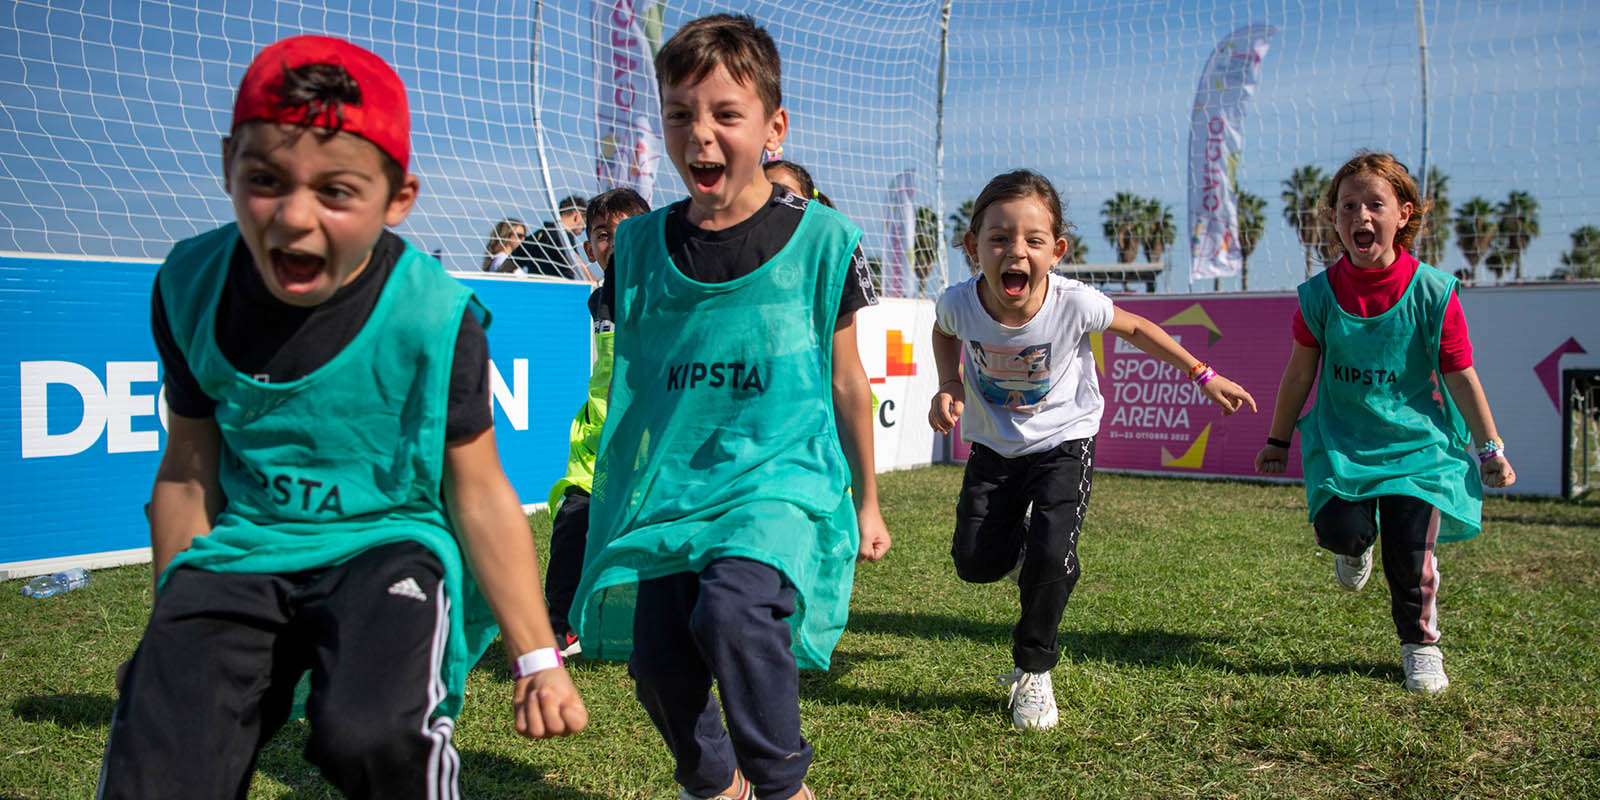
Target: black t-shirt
(275, 342)
(736, 251)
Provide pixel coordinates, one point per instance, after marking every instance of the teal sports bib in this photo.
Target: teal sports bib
(1383, 422)
(347, 458)
(720, 439)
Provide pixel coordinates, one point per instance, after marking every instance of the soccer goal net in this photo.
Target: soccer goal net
(111, 116)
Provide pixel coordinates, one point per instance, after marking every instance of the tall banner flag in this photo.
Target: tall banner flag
(1215, 141)
(626, 104)
(901, 213)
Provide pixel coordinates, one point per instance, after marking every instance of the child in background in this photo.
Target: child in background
(330, 470)
(1382, 448)
(796, 179)
(1028, 369)
(735, 484)
(507, 234)
(569, 497)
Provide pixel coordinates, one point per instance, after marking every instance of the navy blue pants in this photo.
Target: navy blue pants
(1410, 536)
(991, 532)
(724, 623)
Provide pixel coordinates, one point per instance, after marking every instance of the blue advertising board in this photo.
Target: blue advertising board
(80, 385)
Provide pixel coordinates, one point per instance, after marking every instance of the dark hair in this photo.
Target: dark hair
(573, 202)
(613, 203)
(316, 89)
(808, 187)
(327, 88)
(736, 43)
(1387, 168)
(823, 199)
(1016, 185)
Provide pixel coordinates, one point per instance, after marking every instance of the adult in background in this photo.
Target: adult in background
(505, 237)
(550, 250)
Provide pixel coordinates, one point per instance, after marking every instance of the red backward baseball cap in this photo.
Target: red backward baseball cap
(382, 117)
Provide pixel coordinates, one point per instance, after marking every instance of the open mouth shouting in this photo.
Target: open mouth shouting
(297, 273)
(707, 175)
(1014, 284)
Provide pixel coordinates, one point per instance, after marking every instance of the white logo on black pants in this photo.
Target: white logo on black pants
(408, 588)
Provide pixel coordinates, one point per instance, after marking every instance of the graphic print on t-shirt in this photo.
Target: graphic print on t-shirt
(1012, 376)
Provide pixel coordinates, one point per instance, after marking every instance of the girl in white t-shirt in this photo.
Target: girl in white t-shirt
(1029, 370)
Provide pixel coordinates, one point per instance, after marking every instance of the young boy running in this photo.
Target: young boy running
(329, 443)
(569, 497)
(723, 497)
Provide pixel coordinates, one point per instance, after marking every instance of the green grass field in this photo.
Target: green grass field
(1207, 652)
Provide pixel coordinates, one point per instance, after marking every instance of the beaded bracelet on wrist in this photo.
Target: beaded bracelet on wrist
(1490, 449)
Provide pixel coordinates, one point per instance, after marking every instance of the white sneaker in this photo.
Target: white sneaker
(1424, 666)
(1353, 571)
(1033, 699)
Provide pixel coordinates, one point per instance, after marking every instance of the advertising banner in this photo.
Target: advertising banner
(1525, 341)
(80, 385)
(1157, 420)
(893, 338)
(627, 106)
(1216, 139)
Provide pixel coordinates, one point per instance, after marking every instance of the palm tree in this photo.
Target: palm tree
(1475, 230)
(1435, 234)
(925, 243)
(1518, 224)
(1077, 250)
(1156, 231)
(1302, 194)
(1123, 223)
(960, 220)
(1252, 224)
(1583, 260)
(1497, 261)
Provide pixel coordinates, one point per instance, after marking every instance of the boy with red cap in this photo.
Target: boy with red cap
(330, 498)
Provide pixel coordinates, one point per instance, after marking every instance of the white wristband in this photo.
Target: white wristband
(535, 661)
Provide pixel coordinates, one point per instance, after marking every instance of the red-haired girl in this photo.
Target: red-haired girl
(1383, 443)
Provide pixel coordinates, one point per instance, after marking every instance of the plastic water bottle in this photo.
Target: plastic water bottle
(63, 581)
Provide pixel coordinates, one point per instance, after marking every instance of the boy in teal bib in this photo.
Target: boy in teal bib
(1383, 447)
(329, 442)
(723, 531)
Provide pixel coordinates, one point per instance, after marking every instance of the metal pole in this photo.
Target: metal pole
(938, 144)
(1422, 49)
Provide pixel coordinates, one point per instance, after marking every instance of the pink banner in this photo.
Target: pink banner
(1156, 420)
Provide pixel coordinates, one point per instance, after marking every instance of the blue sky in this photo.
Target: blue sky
(110, 112)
